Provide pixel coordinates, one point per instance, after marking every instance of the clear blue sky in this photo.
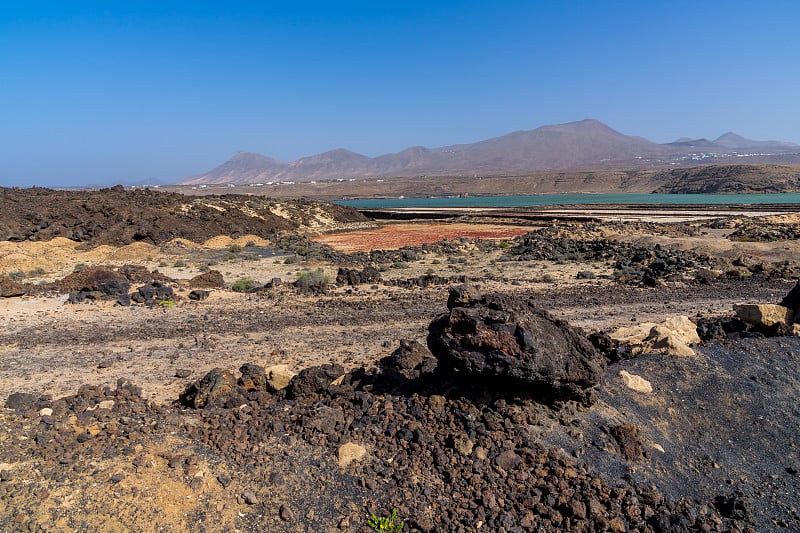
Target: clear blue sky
(119, 92)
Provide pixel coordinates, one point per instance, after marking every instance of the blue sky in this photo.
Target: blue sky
(121, 92)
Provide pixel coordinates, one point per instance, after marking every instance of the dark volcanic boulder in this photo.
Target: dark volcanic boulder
(792, 301)
(208, 280)
(314, 382)
(215, 389)
(516, 345)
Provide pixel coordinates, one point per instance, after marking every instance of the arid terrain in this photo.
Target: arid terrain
(236, 363)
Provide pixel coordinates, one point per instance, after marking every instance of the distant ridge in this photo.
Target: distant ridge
(585, 144)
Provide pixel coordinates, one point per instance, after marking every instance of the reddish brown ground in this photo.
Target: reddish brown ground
(394, 236)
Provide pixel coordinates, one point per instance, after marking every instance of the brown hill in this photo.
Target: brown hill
(583, 145)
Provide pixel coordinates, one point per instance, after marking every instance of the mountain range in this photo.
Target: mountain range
(587, 144)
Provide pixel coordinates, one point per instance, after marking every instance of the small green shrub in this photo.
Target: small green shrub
(504, 245)
(162, 264)
(234, 248)
(36, 272)
(166, 303)
(16, 276)
(180, 263)
(243, 285)
(385, 523)
(250, 244)
(229, 256)
(313, 277)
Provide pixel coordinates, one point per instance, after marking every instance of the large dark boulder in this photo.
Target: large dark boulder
(216, 389)
(792, 301)
(513, 344)
(315, 382)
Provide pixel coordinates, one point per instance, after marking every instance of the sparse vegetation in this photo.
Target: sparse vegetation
(234, 248)
(243, 285)
(385, 523)
(36, 272)
(179, 263)
(313, 277)
(16, 276)
(250, 244)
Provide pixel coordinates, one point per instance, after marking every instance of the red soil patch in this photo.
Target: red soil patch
(395, 236)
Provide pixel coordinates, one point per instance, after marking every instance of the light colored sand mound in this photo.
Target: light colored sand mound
(220, 241)
(60, 242)
(137, 251)
(179, 245)
(18, 262)
(254, 239)
(100, 253)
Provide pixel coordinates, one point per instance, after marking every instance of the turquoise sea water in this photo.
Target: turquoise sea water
(573, 199)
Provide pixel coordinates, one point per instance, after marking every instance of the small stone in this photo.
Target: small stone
(286, 513)
(224, 480)
(627, 436)
(578, 509)
(508, 460)
(21, 401)
(617, 524)
(249, 497)
(183, 373)
(198, 295)
(45, 411)
(349, 452)
(636, 383)
(106, 404)
(279, 376)
(116, 478)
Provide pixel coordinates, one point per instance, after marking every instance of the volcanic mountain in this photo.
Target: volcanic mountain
(587, 144)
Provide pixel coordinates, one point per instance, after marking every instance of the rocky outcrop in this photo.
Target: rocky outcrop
(674, 336)
(352, 276)
(769, 319)
(515, 345)
(10, 288)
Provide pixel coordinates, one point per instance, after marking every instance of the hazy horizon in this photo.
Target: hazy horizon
(155, 92)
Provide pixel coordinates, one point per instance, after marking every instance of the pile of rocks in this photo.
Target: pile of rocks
(448, 436)
(632, 263)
